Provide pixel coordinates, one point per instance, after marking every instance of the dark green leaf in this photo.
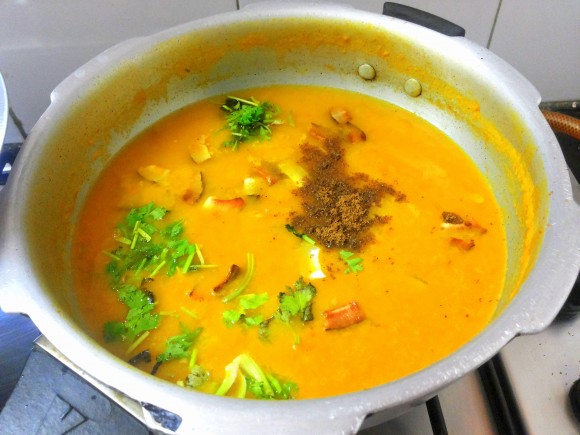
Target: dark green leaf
(179, 346)
(114, 331)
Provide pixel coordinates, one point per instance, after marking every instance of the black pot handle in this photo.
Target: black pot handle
(422, 18)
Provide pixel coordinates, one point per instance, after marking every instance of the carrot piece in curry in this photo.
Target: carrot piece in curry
(343, 317)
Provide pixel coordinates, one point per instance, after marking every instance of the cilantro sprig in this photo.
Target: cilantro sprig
(147, 247)
(247, 303)
(353, 264)
(295, 303)
(140, 317)
(249, 119)
(179, 346)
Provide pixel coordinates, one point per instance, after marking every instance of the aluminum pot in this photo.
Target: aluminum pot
(463, 89)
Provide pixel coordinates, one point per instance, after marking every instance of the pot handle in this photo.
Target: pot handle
(422, 18)
(569, 125)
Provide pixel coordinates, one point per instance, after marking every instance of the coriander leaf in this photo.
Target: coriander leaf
(113, 330)
(140, 317)
(296, 302)
(182, 247)
(281, 390)
(197, 377)
(158, 213)
(248, 119)
(246, 302)
(253, 320)
(179, 346)
(257, 388)
(231, 317)
(354, 264)
(149, 247)
(263, 331)
(173, 230)
(253, 301)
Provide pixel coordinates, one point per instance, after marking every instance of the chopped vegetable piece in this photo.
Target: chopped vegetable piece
(317, 272)
(299, 235)
(156, 367)
(322, 133)
(269, 172)
(197, 377)
(343, 317)
(354, 264)
(454, 221)
(352, 133)
(144, 356)
(195, 189)
(223, 204)
(465, 245)
(198, 150)
(249, 119)
(243, 386)
(451, 218)
(245, 282)
(340, 115)
(137, 342)
(294, 171)
(154, 173)
(179, 346)
(349, 132)
(254, 186)
(233, 272)
(230, 377)
(261, 385)
(190, 313)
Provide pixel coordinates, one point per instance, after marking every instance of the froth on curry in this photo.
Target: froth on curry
(288, 242)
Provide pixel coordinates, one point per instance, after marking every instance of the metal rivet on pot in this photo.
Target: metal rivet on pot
(413, 88)
(366, 71)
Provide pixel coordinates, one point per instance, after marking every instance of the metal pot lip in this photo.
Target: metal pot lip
(68, 338)
(164, 394)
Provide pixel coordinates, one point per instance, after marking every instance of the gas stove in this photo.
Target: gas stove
(528, 388)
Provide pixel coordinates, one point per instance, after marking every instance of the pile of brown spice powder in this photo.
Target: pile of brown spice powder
(337, 205)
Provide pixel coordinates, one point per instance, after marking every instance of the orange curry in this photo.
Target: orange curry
(348, 245)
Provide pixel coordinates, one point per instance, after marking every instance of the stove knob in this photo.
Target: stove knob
(574, 396)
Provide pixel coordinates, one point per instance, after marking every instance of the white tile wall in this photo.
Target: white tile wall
(541, 38)
(41, 42)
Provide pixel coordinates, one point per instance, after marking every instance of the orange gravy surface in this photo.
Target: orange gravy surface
(422, 293)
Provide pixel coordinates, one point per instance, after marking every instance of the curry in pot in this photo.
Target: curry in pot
(288, 242)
